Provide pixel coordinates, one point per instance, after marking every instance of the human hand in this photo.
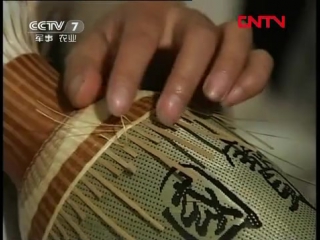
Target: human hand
(132, 33)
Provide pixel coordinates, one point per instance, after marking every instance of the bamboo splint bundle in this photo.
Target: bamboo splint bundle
(87, 175)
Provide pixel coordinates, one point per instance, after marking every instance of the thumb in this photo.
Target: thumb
(83, 70)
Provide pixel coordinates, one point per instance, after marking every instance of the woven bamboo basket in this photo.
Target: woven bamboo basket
(88, 175)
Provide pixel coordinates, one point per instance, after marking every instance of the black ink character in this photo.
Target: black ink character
(257, 162)
(209, 213)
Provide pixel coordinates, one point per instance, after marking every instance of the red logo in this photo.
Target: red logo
(262, 21)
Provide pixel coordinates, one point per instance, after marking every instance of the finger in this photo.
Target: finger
(230, 61)
(253, 79)
(82, 79)
(197, 49)
(138, 44)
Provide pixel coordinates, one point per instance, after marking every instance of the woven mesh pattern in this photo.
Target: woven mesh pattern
(240, 195)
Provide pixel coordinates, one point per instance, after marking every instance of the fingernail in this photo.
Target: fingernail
(74, 86)
(216, 86)
(169, 113)
(234, 97)
(118, 101)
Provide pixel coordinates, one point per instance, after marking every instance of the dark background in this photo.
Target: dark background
(275, 39)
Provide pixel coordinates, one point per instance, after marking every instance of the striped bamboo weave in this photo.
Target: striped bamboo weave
(86, 175)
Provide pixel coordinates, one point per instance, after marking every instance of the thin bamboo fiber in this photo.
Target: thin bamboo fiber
(88, 175)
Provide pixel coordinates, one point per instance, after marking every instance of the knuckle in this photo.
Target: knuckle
(250, 88)
(201, 26)
(232, 29)
(145, 37)
(265, 59)
(144, 28)
(208, 34)
(230, 64)
(231, 58)
(180, 77)
(199, 17)
(248, 32)
(85, 51)
(182, 85)
(123, 75)
(256, 90)
(254, 84)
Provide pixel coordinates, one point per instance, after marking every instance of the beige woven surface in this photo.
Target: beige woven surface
(247, 188)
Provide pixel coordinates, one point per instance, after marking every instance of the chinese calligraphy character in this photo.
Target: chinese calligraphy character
(207, 209)
(48, 38)
(72, 38)
(39, 38)
(257, 162)
(63, 37)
